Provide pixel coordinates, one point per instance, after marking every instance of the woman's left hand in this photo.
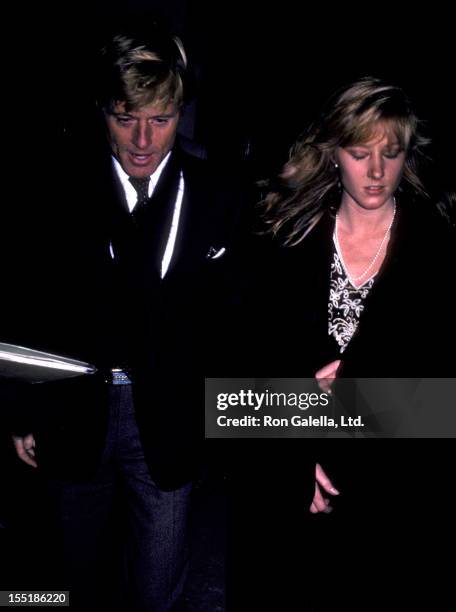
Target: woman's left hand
(320, 503)
(327, 375)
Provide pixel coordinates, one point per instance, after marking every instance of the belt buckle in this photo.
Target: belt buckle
(118, 376)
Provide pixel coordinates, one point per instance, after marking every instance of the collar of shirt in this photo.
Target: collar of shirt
(129, 190)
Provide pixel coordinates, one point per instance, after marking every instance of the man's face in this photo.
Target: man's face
(141, 139)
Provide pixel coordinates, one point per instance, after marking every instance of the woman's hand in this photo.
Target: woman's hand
(320, 503)
(25, 449)
(327, 375)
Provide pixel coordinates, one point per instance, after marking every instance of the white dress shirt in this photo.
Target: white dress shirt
(131, 197)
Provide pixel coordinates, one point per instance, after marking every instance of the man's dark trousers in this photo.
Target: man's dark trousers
(153, 545)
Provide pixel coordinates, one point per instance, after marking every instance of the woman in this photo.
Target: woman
(366, 243)
(357, 276)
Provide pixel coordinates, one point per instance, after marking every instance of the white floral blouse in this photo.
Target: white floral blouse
(346, 303)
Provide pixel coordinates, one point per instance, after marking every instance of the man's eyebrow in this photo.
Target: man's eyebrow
(161, 115)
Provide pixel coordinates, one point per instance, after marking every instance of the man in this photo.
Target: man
(130, 256)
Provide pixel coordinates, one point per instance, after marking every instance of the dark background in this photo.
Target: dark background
(263, 70)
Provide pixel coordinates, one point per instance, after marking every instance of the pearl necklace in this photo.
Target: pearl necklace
(371, 264)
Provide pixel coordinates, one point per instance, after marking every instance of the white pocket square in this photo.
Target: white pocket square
(215, 253)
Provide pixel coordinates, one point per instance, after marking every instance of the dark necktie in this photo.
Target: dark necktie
(141, 186)
(140, 238)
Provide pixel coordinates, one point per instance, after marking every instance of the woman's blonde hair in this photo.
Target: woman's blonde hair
(309, 182)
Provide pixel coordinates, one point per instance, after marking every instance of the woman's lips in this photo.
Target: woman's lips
(374, 189)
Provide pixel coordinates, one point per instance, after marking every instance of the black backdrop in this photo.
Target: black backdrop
(263, 70)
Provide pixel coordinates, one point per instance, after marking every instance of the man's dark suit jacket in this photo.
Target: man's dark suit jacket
(71, 297)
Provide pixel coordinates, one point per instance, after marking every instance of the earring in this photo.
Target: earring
(336, 166)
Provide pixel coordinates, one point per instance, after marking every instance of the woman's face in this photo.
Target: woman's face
(371, 172)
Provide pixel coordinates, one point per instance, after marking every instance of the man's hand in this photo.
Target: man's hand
(327, 375)
(25, 449)
(320, 503)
